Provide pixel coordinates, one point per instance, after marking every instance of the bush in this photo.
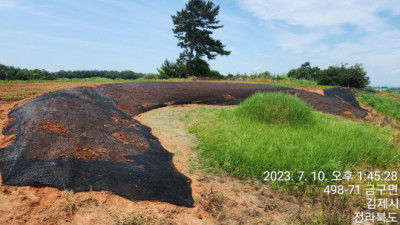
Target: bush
(151, 76)
(276, 108)
(215, 74)
(170, 69)
(200, 68)
(282, 77)
(304, 72)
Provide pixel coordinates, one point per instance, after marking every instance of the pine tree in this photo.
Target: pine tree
(193, 27)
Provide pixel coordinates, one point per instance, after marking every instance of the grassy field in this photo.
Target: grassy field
(383, 103)
(254, 137)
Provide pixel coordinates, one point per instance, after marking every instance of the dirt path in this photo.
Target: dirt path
(218, 199)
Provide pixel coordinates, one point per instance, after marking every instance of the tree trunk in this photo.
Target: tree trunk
(189, 62)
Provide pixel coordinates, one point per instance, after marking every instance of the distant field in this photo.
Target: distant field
(18, 89)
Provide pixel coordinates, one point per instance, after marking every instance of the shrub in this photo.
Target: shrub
(282, 77)
(276, 108)
(215, 74)
(170, 69)
(150, 76)
(200, 68)
(389, 91)
(304, 72)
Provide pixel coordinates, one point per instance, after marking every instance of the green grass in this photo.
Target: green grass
(383, 104)
(286, 109)
(233, 141)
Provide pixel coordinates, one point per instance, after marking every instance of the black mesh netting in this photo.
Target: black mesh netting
(344, 94)
(85, 138)
(77, 139)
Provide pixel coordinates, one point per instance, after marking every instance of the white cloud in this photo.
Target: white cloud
(257, 68)
(234, 19)
(8, 4)
(26, 6)
(297, 43)
(343, 31)
(396, 71)
(316, 13)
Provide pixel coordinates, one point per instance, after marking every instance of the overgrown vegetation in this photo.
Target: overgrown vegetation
(245, 147)
(353, 76)
(383, 104)
(286, 109)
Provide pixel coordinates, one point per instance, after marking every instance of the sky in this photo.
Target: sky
(262, 35)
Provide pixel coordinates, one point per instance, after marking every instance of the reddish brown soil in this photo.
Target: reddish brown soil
(118, 120)
(18, 91)
(85, 153)
(123, 107)
(317, 90)
(122, 138)
(7, 140)
(8, 122)
(55, 127)
(229, 97)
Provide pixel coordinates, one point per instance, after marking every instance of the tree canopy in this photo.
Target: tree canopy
(194, 26)
(353, 76)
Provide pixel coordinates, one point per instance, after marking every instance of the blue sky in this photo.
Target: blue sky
(273, 35)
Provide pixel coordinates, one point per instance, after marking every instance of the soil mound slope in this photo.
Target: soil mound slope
(85, 138)
(78, 139)
(136, 98)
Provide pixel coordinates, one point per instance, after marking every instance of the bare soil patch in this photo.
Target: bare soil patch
(55, 127)
(317, 90)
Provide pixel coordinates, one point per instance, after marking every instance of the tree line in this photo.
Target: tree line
(343, 75)
(15, 73)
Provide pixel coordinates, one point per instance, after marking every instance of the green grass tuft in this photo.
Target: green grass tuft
(276, 108)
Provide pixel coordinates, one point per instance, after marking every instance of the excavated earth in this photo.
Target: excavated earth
(85, 138)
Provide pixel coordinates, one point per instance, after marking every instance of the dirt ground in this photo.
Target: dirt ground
(317, 90)
(18, 91)
(219, 199)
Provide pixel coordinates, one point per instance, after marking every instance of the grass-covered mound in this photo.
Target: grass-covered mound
(246, 147)
(276, 108)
